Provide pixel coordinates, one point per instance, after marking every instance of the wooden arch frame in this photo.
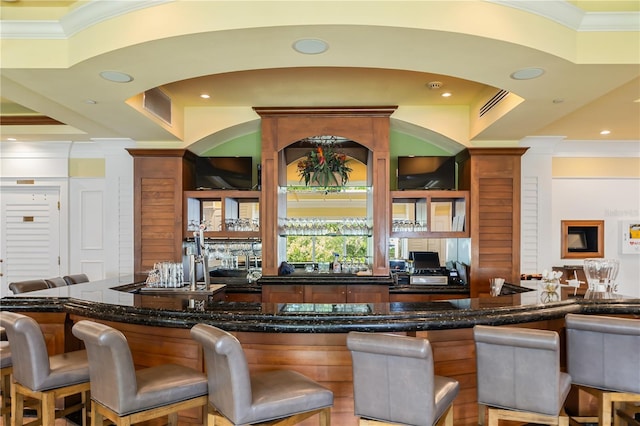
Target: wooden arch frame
(282, 126)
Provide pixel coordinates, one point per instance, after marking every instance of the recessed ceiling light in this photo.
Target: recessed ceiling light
(12, 139)
(116, 76)
(527, 73)
(310, 46)
(446, 94)
(90, 101)
(205, 96)
(605, 132)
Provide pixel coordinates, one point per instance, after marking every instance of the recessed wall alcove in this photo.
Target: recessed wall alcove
(283, 126)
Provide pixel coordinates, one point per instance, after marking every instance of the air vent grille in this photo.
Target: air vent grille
(158, 103)
(491, 103)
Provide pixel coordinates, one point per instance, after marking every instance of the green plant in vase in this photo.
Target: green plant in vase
(324, 167)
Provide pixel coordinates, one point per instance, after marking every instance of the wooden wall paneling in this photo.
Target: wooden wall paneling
(160, 177)
(493, 178)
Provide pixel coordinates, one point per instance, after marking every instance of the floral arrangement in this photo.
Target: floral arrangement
(324, 166)
(551, 280)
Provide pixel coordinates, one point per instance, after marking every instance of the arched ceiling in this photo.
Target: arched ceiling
(379, 53)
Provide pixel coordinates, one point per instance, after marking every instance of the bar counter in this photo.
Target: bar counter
(115, 300)
(309, 338)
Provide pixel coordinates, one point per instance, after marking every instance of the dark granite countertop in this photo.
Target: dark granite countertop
(335, 318)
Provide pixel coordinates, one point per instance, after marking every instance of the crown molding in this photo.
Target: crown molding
(75, 21)
(92, 13)
(570, 16)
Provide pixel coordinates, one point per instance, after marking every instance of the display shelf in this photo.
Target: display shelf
(429, 214)
(227, 214)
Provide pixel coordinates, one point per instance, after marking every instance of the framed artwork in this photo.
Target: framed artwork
(630, 236)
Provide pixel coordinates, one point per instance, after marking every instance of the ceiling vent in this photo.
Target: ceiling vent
(491, 103)
(158, 103)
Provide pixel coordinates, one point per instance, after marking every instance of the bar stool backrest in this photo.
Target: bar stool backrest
(604, 352)
(76, 279)
(228, 372)
(519, 369)
(111, 368)
(18, 287)
(393, 378)
(56, 282)
(31, 368)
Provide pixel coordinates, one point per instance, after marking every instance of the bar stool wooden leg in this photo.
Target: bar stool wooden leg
(482, 414)
(96, 416)
(17, 406)
(325, 417)
(48, 409)
(5, 388)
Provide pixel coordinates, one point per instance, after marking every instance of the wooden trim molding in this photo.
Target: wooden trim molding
(384, 111)
(588, 235)
(28, 120)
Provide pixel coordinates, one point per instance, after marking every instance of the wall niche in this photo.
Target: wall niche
(582, 239)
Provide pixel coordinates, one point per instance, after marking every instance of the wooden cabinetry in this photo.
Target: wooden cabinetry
(324, 293)
(423, 297)
(228, 214)
(160, 177)
(231, 296)
(492, 176)
(429, 214)
(283, 293)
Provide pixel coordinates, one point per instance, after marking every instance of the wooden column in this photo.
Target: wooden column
(368, 126)
(492, 176)
(160, 177)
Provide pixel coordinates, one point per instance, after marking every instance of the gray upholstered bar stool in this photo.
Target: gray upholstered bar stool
(76, 279)
(125, 395)
(56, 282)
(519, 375)
(281, 397)
(40, 376)
(603, 358)
(6, 368)
(18, 287)
(394, 381)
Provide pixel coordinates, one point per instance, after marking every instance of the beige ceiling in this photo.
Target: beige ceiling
(380, 53)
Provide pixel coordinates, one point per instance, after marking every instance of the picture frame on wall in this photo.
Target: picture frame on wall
(630, 230)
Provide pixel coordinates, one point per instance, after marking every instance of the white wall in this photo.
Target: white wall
(547, 200)
(96, 213)
(611, 200)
